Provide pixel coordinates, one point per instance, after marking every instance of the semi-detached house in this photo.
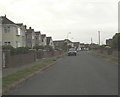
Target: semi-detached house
(38, 38)
(12, 34)
(50, 42)
(30, 37)
(44, 39)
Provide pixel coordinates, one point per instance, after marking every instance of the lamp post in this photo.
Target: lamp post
(68, 34)
(99, 37)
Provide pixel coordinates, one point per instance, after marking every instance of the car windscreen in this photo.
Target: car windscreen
(72, 49)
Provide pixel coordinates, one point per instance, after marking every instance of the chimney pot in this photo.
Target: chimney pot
(25, 26)
(30, 28)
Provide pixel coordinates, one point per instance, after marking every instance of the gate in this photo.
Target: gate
(3, 60)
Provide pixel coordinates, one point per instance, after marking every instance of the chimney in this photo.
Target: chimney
(5, 15)
(25, 26)
(30, 28)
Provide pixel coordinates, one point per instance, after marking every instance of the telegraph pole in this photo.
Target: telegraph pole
(99, 37)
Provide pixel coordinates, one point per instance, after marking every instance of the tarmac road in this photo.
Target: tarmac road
(83, 74)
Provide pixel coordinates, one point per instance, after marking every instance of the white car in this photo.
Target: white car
(72, 51)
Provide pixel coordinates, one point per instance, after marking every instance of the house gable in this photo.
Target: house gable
(5, 20)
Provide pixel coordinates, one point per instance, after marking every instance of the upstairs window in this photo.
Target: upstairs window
(7, 29)
(33, 37)
(18, 31)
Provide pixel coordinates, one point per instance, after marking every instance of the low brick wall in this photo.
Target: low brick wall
(114, 53)
(22, 59)
(39, 54)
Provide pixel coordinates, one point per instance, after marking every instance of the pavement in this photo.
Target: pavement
(12, 70)
(83, 74)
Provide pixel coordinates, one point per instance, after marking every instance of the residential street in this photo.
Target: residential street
(83, 74)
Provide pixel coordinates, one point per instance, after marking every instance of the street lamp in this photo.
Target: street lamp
(99, 36)
(68, 34)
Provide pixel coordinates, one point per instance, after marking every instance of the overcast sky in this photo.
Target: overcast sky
(56, 18)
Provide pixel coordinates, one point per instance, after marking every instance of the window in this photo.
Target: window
(33, 37)
(39, 38)
(7, 29)
(5, 43)
(18, 31)
(8, 43)
(18, 44)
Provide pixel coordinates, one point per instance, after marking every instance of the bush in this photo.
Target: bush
(49, 48)
(14, 51)
(22, 50)
(38, 47)
(7, 47)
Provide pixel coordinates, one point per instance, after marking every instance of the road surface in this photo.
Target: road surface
(83, 74)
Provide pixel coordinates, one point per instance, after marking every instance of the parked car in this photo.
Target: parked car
(72, 51)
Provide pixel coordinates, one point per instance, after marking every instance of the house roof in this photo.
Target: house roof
(19, 24)
(5, 20)
(76, 43)
(48, 39)
(37, 31)
(30, 30)
(43, 36)
(67, 40)
(58, 41)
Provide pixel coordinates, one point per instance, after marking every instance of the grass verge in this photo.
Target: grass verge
(13, 79)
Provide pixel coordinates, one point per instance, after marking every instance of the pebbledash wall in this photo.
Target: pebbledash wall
(23, 59)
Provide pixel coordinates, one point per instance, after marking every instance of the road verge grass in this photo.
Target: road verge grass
(12, 80)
